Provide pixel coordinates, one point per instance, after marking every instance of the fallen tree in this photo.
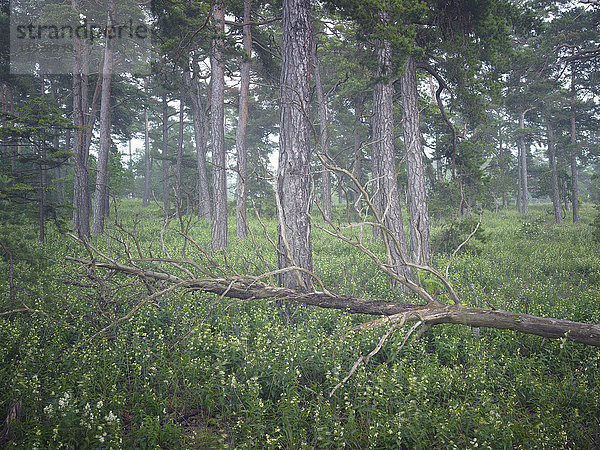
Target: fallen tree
(250, 288)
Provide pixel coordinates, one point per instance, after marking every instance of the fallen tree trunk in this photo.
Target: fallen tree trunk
(248, 288)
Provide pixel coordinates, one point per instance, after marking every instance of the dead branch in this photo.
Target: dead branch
(250, 287)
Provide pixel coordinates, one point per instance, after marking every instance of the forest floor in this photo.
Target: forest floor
(190, 371)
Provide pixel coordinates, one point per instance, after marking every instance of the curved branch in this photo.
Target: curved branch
(443, 85)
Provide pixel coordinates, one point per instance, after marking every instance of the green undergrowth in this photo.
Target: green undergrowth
(247, 378)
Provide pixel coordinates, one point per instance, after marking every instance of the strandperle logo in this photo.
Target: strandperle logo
(90, 31)
(45, 35)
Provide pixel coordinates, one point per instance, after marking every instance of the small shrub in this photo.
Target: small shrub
(456, 233)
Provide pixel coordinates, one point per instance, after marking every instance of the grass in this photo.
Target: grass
(245, 378)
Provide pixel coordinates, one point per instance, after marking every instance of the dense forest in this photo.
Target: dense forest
(300, 224)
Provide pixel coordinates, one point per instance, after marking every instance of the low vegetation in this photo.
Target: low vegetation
(188, 370)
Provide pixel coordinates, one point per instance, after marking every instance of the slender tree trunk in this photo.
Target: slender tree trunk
(502, 165)
(358, 155)
(147, 175)
(201, 136)
(519, 183)
(217, 120)
(565, 191)
(101, 193)
(61, 173)
(179, 198)
(383, 150)
(523, 166)
(420, 245)
(553, 172)
(324, 133)
(574, 184)
(293, 173)
(165, 154)
(42, 181)
(240, 135)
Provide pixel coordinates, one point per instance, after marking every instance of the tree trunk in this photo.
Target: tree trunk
(250, 288)
(165, 154)
(178, 197)
(523, 167)
(324, 134)
(553, 172)
(217, 130)
(502, 167)
(420, 246)
(81, 193)
(358, 155)
(519, 182)
(101, 193)
(383, 151)
(240, 135)
(200, 136)
(574, 185)
(293, 173)
(147, 175)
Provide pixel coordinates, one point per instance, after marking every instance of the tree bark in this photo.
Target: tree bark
(523, 166)
(251, 288)
(502, 167)
(201, 130)
(420, 245)
(178, 199)
(43, 182)
(574, 184)
(384, 158)
(240, 135)
(553, 173)
(324, 133)
(217, 130)
(357, 166)
(81, 193)
(147, 174)
(165, 154)
(293, 173)
(101, 193)
(519, 182)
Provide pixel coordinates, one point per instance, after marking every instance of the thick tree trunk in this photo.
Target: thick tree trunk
(293, 173)
(147, 174)
(165, 154)
(240, 135)
(383, 150)
(81, 193)
(420, 246)
(217, 130)
(201, 129)
(553, 173)
(324, 134)
(101, 193)
(250, 288)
